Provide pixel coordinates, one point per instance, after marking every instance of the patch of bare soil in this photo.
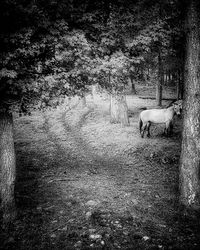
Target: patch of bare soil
(83, 183)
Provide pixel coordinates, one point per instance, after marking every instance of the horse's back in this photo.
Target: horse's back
(153, 115)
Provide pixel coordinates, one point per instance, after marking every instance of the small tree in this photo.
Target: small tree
(112, 74)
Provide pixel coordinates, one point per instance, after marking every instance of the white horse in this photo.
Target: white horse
(158, 116)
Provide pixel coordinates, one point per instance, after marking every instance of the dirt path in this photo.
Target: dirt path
(84, 183)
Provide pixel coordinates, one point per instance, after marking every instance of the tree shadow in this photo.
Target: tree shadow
(30, 226)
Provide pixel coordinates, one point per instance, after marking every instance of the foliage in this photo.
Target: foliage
(74, 62)
(111, 72)
(56, 48)
(28, 61)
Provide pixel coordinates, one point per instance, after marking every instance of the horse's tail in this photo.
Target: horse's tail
(140, 125)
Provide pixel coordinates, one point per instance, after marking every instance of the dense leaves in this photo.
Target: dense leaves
(56, 48)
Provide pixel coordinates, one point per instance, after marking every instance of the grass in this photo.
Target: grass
(83, 183)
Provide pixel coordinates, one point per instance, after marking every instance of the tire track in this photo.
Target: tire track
(97, 176)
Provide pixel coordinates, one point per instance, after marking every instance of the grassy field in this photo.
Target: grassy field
(83, 183)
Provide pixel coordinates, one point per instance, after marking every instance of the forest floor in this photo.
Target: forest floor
(84, 183)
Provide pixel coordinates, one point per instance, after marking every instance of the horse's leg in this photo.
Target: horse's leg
(164, 130)
(143, 130)
(167, 128)
(171, 127)
(148, 129)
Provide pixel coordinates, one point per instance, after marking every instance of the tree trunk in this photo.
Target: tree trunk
(178, 87)
(169, 77)
(82, 101)
(119, 110)
(94, 90)
(160, 80)
(132, 84)
(165, 79)
(173, 77)
(182, 84)
(190, 152)
(8, 168)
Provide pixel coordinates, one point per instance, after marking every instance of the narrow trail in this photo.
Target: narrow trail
(93, 172)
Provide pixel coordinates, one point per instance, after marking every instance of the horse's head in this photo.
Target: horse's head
(179, 103)
(177, 108)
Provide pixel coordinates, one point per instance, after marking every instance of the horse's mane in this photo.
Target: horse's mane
(171, 103)
(143, 108)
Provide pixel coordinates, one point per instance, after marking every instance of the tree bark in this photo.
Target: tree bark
(82, 101)
(8, 168)
(160, 80)
(178, 87)
(169, 77)
(94, 90)
(190, 151)
(133, 90)
(182, 84)
(119, 110)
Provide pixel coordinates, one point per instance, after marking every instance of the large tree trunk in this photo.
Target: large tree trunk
(8, 168)
(119, 110)
(190, 154)
(160, 80)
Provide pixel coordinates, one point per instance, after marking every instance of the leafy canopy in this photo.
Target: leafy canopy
(53, 48)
